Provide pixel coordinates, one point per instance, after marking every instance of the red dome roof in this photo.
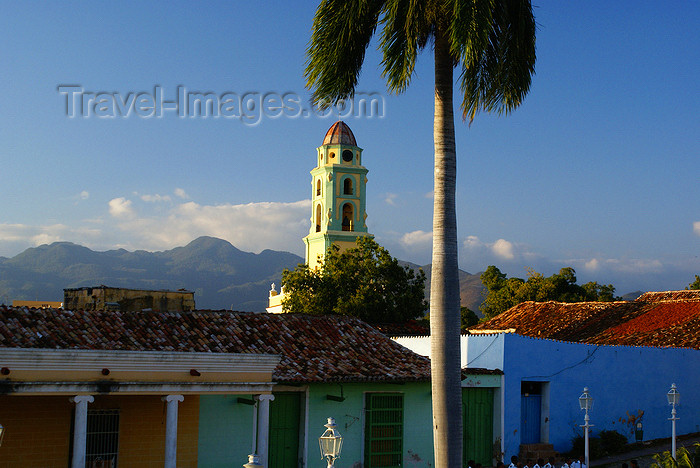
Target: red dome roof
(339, 134)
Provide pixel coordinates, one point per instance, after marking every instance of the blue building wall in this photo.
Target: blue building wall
(623, 381)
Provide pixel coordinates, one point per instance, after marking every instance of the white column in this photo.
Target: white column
(263, 426)
(80, 429)
(171, 429)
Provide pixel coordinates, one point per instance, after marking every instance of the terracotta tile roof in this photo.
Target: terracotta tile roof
(664, 319)
(685, 295)
(410, 328)
(313, 349)
(467, 371)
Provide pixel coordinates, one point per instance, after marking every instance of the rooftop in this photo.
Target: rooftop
(661, 319)
(102, 286)
(312, 348)
(339, 134)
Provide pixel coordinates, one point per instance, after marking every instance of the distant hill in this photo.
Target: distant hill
(471, 291)
(631, 296)
(222, 276)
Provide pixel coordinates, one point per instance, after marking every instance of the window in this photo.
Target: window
(347, 186)
(102, 444)
(347, 217)
(383, 430)
(347, 156)
(318, 218)
(318, 188)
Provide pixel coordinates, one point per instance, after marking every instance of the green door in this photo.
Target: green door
(285, 419)
(383, 430)
(477, 420)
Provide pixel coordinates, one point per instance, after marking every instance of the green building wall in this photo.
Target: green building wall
(226, 427)
(225, 431)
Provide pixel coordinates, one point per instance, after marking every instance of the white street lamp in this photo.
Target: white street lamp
(585, 401)
(673, 399)
(253, 462)
(331, 442)
(2, 433)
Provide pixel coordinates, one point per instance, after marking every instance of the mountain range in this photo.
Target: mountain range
(221, 276)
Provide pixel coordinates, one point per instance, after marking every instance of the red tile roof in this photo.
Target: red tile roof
(313, 349)
(663, 319)
(410, 328)
(687, 295)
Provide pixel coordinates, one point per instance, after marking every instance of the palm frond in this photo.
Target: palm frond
(405, 33)
(496, 77)
(341, 33)
(469, 27)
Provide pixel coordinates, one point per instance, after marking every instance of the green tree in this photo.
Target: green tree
(504, 293)
(468, 318)
(695, 284)
(364, 282)
(492, 42)
(685, 458)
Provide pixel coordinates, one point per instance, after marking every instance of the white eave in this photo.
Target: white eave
(134, 361)
(491, 332)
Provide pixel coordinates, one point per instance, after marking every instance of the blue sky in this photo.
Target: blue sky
(598, 169)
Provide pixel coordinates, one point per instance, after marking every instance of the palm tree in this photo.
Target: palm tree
(493, 43)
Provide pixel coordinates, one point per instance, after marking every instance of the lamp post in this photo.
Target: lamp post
(2, 433)
(673, 399)
(586, 403)
(253, 462)
(639, 432)
(330, 442)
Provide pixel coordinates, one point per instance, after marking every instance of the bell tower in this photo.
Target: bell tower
(338, 195)
(337, 200)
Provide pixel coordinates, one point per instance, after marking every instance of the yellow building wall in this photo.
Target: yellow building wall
(38, 430)
(130, 299)
(142, 429)
(38, 304)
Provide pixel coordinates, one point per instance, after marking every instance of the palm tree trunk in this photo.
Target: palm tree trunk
(444, 284)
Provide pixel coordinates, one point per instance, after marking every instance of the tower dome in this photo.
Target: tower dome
(339, 134)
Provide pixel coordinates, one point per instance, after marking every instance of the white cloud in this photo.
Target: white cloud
(15, 238)
(417, 239)
(120, 207)
(45, 238)
(634, 265)
(472, 242)
(430, 195)
(180, 193)
(84, 195)
(390, 199)
(696, 227)
(250, 227)
(156, 198)
(503, 249)
(627, 267)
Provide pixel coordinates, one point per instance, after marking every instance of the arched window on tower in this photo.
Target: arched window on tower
(318, 218)
(347, 217)
(318, 188)
(347, 186)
